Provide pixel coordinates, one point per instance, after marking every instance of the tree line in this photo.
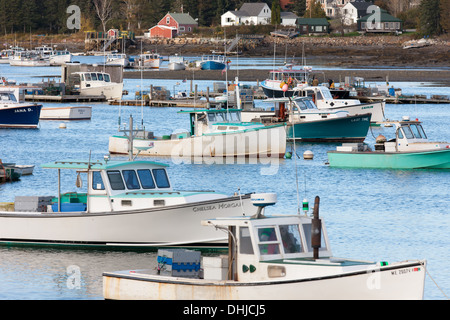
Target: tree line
(50, 16)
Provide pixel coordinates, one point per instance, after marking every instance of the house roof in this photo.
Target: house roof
(288, 15)
(183, 18)
(384, 17)
(361, 6)
(252, 9)
(313, 21)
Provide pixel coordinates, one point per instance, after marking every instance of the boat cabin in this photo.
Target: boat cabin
(115, 186)
(214, 120)
(267, 247)
(90, 79)
(289, 73)
(408, 135)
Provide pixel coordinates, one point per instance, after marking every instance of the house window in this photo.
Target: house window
(363, 25)
(181, 28)
(168, 20)
(189, 29)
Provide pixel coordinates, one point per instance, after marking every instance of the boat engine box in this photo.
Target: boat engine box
(32, 203)
(215, 268)
(179, 263)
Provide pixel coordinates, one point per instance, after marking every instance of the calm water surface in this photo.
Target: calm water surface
(381, 215)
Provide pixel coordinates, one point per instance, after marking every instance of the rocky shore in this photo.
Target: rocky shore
(360, 55)
(363, 54)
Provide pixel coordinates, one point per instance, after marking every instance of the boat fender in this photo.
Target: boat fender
(316, 229)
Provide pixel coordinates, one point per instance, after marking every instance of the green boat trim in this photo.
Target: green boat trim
(436, 159)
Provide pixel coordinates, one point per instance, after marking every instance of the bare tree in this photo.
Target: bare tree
(104, 11)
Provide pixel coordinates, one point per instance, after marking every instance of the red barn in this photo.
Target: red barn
(179, 23)
(163, 32)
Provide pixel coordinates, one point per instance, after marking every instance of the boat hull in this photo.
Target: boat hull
(212, 65)
(176, 66)
(272, 92)
(436, 159)
(66, 113)
(341, 129)
(112, 91)
(376, 109)
(403, 280)
(267, 142)
(176, 225)
(20, 116)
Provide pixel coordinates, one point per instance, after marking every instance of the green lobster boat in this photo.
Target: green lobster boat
(410, 149)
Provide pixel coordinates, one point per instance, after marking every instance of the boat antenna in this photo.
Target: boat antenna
(291, 109)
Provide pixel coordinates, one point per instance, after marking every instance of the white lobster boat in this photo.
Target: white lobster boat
(286, 257)
(324, 100)
(97, 84)
(66, 113)
(128, 204)
(214, 133)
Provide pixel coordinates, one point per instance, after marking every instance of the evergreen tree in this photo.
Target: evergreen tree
(444, 6)
(430, 17)
(275, 17)
(298, 7)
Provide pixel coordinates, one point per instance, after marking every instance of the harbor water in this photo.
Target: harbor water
(370, 214)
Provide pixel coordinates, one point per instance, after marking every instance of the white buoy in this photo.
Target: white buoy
(308, 155)
(62, 126)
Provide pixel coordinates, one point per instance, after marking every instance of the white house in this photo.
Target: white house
(354, 10)
(249, 13)
(288, 19)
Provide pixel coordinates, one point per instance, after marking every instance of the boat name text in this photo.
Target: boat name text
(23, 110)
(215, 207)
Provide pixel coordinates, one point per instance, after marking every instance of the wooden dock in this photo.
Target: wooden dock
(404, 99)
(185, 103)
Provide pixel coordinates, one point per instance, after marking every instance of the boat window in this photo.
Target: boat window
(94, 76)
(146, 178)
(307, 231)
(106, 77)
(407, 132)
(310, 104)
(221, 117)
(100, 77)
(82, 77)
(301, 104)
(131, 179)
(327, 94)
(290, 237)
(115, 179)
(97, 181)
(245, 241)
(422, 133)
(268, 243)
(162, 181)
(416, 131)
(235, 117)
(88, 77)
(319, 95)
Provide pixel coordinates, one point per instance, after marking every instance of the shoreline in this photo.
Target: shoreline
(438, 77)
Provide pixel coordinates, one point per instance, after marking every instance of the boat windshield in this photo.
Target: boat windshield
(411, 131)
(7, 96)
(144, 178)
(230, 116)
(305, 104)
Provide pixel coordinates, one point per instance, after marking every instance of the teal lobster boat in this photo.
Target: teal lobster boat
(307, 123)
(410, 149)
